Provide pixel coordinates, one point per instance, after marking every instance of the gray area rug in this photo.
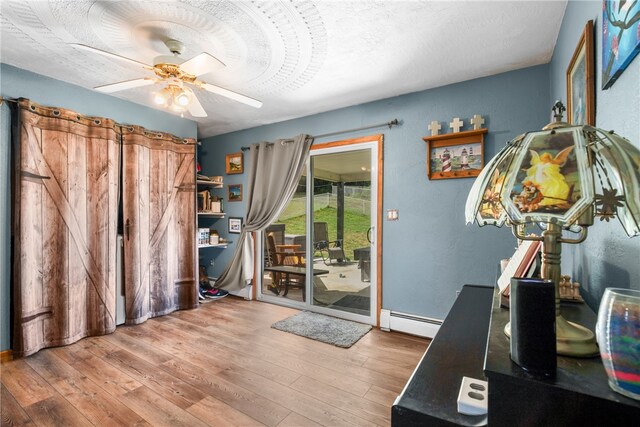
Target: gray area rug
(331, 330)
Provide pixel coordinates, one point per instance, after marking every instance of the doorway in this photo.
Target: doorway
(322, 253)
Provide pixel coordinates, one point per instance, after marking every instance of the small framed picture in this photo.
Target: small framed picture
(234, 163)
(235, 192)
(581, 81)
(455, 155)
(235, 225)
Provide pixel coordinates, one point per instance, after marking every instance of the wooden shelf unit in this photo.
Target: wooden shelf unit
(210, 183)
(212, 214)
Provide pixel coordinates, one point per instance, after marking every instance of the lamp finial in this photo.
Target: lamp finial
(558, 113)
(558, 110)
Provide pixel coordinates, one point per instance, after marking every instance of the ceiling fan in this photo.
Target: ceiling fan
(179, 76)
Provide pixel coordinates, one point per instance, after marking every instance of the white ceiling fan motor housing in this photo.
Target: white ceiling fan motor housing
(167, 59)
(175, 47)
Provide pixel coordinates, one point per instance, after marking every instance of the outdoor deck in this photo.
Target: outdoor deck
(342, 288)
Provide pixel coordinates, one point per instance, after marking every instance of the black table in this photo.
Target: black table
(289, 270)
(578, 396)
(430, 398)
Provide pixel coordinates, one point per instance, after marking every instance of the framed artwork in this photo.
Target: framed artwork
(235, 192)
(235, 225)
(581, 81)
(455, 155)
(234, 163)
(620, 38)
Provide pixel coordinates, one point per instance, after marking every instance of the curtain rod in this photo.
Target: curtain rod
(392, 123)
(3, 99)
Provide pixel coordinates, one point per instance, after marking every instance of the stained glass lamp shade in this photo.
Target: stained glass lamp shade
(560, 178)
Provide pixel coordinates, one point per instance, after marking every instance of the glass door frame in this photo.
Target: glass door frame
(375, 144)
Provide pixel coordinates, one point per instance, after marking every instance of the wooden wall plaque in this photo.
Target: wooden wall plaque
(455, 155)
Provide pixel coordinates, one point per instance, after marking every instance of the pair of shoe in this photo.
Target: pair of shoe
(213, 293)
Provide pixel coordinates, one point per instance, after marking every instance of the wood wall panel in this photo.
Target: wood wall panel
(54, 267)
(135, 294)
(77, 196)
(30, 256)
(66, 200)
(160, 250)
(99, 217)
(172, 232)
(65, 197)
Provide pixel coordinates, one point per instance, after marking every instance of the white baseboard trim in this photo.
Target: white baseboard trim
(409, 323)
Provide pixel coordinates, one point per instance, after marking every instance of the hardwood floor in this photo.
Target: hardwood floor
(220, 365)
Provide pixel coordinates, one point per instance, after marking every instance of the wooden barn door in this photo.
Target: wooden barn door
(159, 224)
(65, 226)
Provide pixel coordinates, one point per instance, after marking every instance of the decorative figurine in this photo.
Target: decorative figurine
(434, 127)
(477, 121)
(456, 124)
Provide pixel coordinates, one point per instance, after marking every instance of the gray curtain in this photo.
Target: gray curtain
(274, 171)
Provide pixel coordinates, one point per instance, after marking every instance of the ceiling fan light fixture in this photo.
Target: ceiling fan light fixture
(161, 98)
(182, 98)
(176, 75)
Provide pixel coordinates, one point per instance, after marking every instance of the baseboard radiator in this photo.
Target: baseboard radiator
(409, 323)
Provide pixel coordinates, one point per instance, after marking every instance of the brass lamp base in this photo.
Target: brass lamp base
(574, 340)
(571, 339)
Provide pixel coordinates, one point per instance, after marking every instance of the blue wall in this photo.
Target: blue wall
(430, 252)
(608, 258)
(15, 83)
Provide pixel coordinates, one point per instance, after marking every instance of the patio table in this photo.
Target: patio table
(289, 270)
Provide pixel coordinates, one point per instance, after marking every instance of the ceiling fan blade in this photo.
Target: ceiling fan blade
(127, 84)
(201, 64)
(195, 108)
(231, 95)
(111, 55)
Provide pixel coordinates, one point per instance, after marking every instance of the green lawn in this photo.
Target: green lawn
(355, 227)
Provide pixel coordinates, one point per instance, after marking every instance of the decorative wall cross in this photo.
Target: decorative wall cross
(477, 121)
(434, 127)
(456, 124)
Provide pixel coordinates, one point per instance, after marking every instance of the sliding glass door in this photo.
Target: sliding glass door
(321, 254)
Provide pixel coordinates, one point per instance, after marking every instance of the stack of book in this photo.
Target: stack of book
(203, 236)
(523, 263)
(208, 203)
(213, 179)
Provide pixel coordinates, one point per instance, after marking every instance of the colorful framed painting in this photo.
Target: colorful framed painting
(235, 225)
(235, 192)
(580, 81)
(455, 155)
(620, 38)
(234, 163)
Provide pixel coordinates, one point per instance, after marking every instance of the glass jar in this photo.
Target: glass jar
(618, 335)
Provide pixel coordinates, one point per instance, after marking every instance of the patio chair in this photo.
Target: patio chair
(275, 257)
(322, 243)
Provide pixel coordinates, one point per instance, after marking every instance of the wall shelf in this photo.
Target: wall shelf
(210, 183)
(212, 214)
(220, 245)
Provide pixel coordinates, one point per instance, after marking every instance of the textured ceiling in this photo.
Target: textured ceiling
(298, 57)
